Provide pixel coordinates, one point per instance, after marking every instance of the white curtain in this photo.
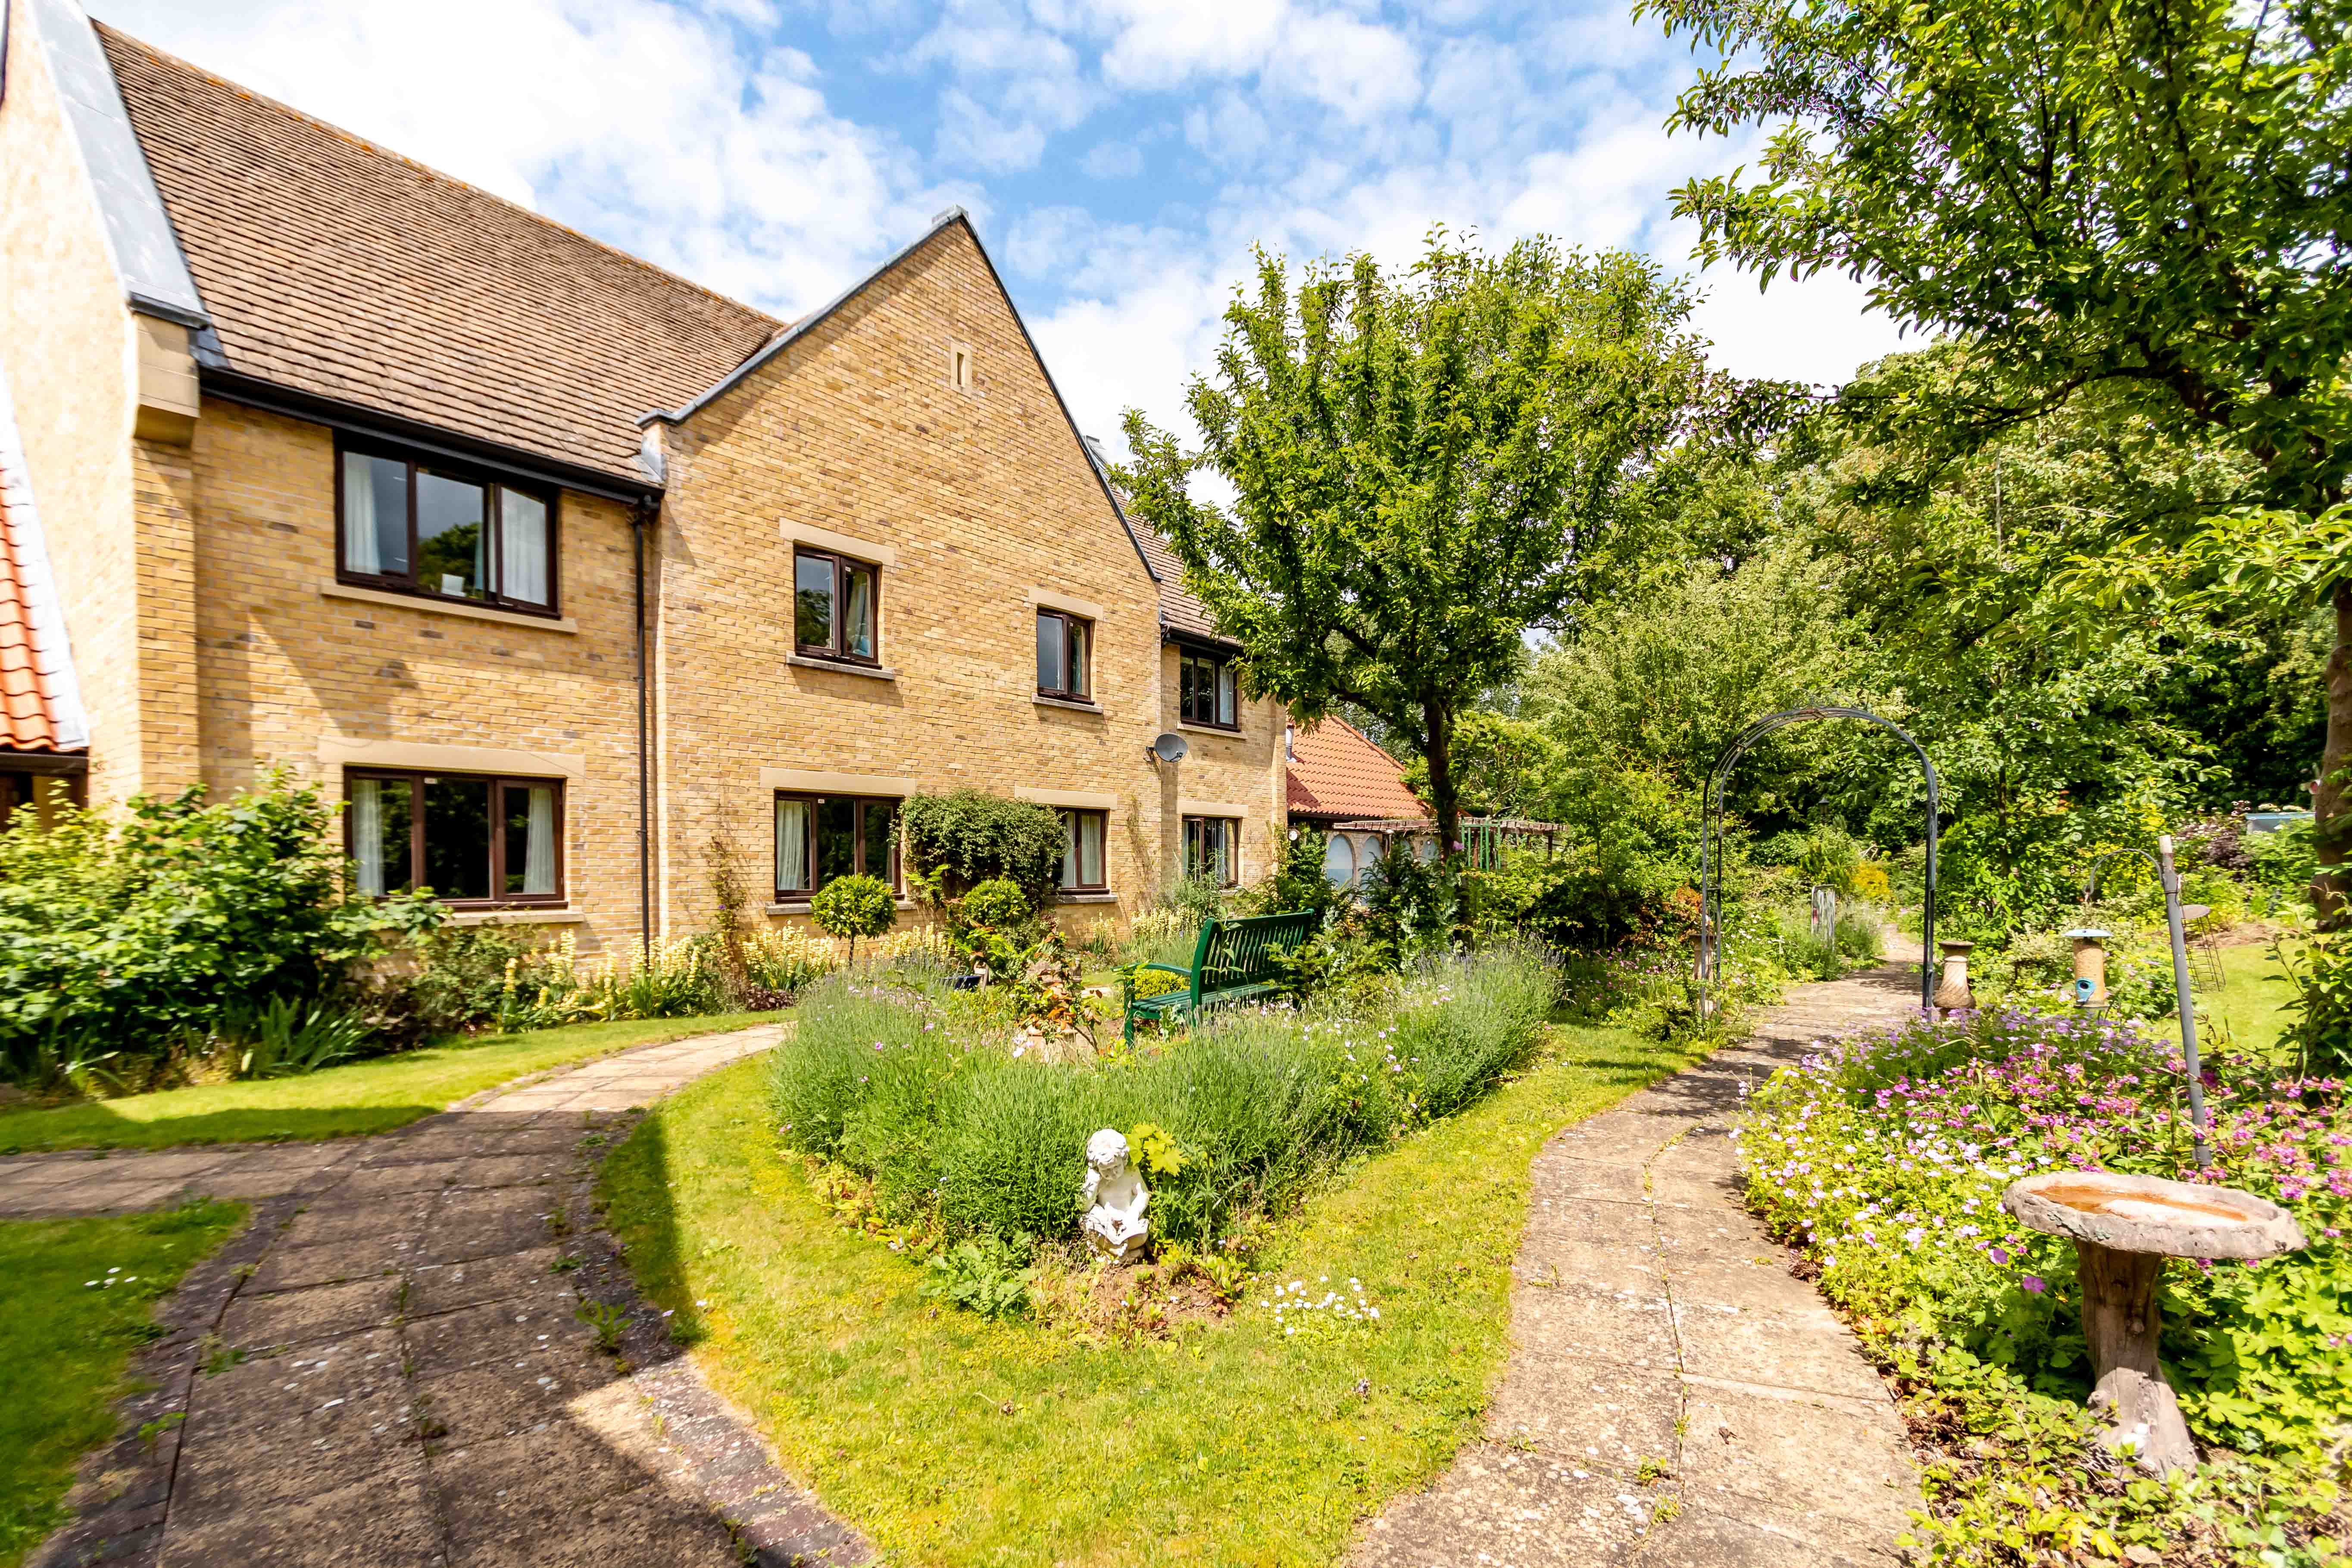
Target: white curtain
(792, 845)
(367, 833)
(538, 855)
(523, 547)
(1070, 871)
(359, 554)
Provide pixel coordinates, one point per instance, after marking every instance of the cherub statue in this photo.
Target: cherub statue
(1114, 1197)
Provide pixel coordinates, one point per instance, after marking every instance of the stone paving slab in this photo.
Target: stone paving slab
(390, 1365)
(1673, 1398)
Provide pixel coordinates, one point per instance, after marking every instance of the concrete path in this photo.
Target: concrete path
(399, 1361)
(1675, 1397)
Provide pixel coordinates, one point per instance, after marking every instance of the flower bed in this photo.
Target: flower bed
(1882, 1158)
(961, 1131)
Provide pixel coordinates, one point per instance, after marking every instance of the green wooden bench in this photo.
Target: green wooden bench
(1234, 961)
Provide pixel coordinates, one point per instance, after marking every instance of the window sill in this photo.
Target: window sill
(1101, 898)
(516, 917)
(334, 590)
(1232, 733)
(1071, 703)
(802, 908)
(868, 671)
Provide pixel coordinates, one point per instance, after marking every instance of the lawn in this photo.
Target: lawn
(69, 1343)
(947, 1440)
(2251, 1005)
(363, 1097)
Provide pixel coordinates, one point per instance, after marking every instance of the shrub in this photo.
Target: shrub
(954, 842)
(998, 903)
(134, 935)
(2283, 863)
(1884, 1156)
(853, 907)
(984, 1274)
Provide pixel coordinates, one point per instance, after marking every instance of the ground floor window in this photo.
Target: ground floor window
(1339, 860)
(1212, 847)
(1082, 851)
(469, 837)
(821, 836)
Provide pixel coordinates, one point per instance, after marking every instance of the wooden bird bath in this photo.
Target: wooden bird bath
(2124, 1227)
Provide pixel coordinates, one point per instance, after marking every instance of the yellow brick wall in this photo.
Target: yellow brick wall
(67, 345)
(982, 496)
(1226, 769)
(290, 673)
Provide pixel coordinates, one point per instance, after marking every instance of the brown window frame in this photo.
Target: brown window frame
(835, 651)
(492, 482)
(1217, 664)
(1067, 812)
(417, 779)
(1065, 692)
(808, 848)
(1192, 860)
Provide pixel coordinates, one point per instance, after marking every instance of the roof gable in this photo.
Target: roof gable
(1335, 771)
(336, 268)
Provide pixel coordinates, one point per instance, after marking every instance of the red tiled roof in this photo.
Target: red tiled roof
(333, 267)
(28, 708)
(1336, 771)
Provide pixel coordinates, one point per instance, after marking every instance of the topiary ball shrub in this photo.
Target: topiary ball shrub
(997, 904)
(853, 907)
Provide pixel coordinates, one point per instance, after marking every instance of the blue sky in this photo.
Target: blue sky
(1120, 157)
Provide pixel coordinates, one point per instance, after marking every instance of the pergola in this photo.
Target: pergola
(1483, 838)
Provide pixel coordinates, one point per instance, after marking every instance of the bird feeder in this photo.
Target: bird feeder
(2124, 1227)
(2090, 965)
(1952, 992)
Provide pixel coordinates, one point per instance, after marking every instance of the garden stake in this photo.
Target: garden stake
(2169, 875)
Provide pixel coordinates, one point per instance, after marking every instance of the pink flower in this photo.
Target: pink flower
(1998, 1255)
(2035, 1283)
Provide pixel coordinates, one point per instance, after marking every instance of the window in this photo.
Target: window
(1212, 847)
(1206, 690)
(1082, 851)
(444, 533)
(471, 839)
(833, 605)
(1065, 656)
(1339, 860)
(819, 838)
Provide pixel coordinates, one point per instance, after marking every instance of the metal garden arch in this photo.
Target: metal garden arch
(1710, 845)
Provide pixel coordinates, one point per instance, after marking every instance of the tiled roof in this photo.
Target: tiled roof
(1336, 771)
(1179, 610)
(332, 266)
(39, 712)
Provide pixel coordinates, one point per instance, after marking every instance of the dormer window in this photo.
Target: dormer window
(443, 532)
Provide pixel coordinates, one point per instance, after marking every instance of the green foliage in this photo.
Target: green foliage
(987, 1274)
(127, 936)
(283, 1038)
(1502, 765)
(921, 1094)
(853, 907)
(954, 841)
(998, 903)
(2320, 1011)
(1426, 463)
(1296, 883)
(2284, 862)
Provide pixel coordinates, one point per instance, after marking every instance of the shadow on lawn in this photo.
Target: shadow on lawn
(84, 1123)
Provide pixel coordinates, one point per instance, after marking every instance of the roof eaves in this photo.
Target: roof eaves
(148, 262)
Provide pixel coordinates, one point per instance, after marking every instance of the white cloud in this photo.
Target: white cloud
(1113, 161)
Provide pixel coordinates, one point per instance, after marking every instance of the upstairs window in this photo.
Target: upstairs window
(471, 839)
(445, 533)
(819, 838)
(834, 605)
(1208, 691)
(1065, 656)
(1082, 851)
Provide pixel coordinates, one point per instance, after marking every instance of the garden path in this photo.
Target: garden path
(391, 1365)
(1675, 1399)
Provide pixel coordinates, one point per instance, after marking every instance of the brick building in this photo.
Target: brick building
(556, 568)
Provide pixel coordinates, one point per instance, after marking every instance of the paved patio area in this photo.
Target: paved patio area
(1675, 1397)
(396, 1364)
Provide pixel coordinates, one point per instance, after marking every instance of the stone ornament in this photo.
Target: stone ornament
(1952, 992)
(2124, 1227)
(1113, 1197)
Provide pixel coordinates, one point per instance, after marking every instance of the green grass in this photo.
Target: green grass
(69, 1344)
(2252, 1006)
(947, 1440)
(364, 1097)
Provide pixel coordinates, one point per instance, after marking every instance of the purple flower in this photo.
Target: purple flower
(1998, 1254)
(2035, 1283)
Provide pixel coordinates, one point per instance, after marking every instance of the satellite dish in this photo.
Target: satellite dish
(1170, 747)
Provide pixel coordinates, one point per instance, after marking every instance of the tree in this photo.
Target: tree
(1424, 464)
(2141, 197)
(853, 907)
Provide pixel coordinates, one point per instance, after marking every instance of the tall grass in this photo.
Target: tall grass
(910, 1087)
